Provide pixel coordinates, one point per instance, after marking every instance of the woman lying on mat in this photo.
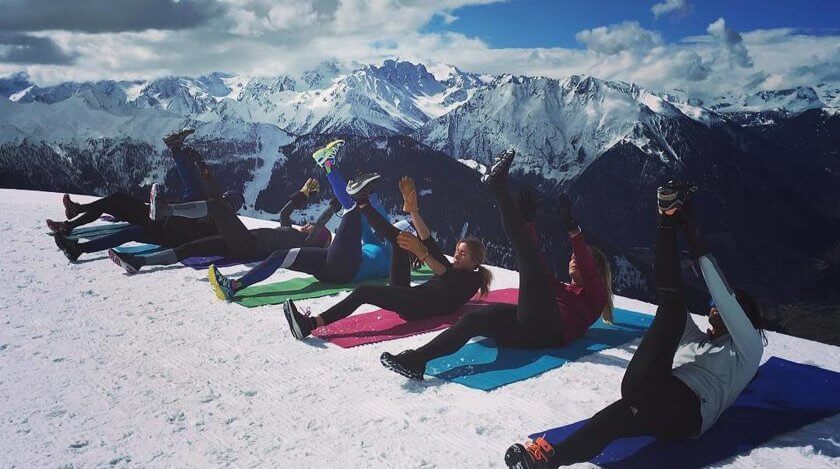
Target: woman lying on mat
(453, 285)
(680, 379)
(234, 239)
(354, 255)
(550, 313)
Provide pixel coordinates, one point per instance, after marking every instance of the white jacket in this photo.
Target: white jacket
(718, 370)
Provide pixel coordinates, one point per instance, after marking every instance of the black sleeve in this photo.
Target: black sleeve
(296, 201)
(434, 251)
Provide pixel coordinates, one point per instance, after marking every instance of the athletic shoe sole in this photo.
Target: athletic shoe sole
(214, 282)
(293, 324)
(130, 269)
(514, 458)
(153, 200)
(388, 361)
(502, 161)
(357, 185)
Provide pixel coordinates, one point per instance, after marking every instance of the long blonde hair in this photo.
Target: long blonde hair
(478, 252)
(603, 266)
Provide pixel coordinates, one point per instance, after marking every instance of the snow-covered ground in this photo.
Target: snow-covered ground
(99, 368)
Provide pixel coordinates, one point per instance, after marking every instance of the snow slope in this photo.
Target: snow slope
(100, 368)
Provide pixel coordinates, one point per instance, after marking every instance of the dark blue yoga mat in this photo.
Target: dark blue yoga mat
(482, 365)
(784, 396)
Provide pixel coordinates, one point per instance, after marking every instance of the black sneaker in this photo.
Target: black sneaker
(175, 140)
(71, 209)
(126, 261)
(535, 454)
(673, 195)
(69, 247)
(404, 363)
(361, 186)
(497, 175)
(300, 324)
(157, 204)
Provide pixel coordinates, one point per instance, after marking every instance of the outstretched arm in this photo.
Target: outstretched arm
(298, 200)
(427, 251)
(410, 205)
(745, 337)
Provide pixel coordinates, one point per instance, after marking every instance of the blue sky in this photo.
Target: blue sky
(554, 23)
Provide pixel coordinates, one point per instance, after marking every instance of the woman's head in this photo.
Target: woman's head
(469, 255)
(603, 267)
(750, 307)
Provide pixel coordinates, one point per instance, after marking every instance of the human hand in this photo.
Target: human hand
(310, 186)
(412, 243)
(409, 194)
(307, 228)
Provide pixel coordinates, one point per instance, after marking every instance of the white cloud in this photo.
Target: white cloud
(732, 44)
(616, 38)
(671, 7)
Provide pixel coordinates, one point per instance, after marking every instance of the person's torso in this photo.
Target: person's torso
(454, 288)
(577, 309)
(375, 263)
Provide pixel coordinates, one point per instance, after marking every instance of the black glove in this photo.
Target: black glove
(564, 211)
(528, 205)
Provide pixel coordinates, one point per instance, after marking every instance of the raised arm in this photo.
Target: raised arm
(298, 200)
(411, 206)
(745, 337)
(426, 250)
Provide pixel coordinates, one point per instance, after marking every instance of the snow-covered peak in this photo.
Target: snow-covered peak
(14, 84)
(792, 100)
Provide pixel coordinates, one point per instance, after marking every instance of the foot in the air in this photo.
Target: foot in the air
(321, 156)
(157, 204)
(222, 286)
(69, 247)
(59, 227)
(71, 209)
(535, 454)
(300, 324)
(673, 196)
(361, 186)
(404, 363)
(497, 175)
(126, 261)
(175, 140)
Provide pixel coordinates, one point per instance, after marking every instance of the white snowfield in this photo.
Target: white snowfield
(99, 368)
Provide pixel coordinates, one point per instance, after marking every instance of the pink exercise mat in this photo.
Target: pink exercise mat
(382, 325)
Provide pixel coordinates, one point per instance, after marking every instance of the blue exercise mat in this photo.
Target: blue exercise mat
(482, 365)
(141, 248)
(784, 396)
(97, 231)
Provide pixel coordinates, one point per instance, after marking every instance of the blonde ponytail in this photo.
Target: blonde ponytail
(603, 266)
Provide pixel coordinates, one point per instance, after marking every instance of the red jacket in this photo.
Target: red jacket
(579, 305)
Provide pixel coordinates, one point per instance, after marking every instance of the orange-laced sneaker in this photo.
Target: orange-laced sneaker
(534, 454)
(540, 449)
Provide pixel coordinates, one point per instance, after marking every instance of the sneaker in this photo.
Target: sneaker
(157, 205)
(672, 196)
(126, 261)
(360, 186)
(497, 174)
(69, 247)
(71, 209)
(222, 286)
(59, 227)
(535, 454)
(327, 153)
(176, 139)
(300, 324)
(404, 364)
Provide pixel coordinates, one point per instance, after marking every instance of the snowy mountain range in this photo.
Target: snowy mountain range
(760, 155)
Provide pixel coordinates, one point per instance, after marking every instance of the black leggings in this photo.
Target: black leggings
(234, 238)
(534, 323)
(400, 269)
(336, 264)
(120, 205)
(653, 401)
